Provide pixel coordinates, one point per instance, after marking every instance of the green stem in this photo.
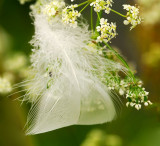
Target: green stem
(118, 13)
(98, 16)
(121, 59)
(92, 18)
(84, 7)
(83, 3)
(98, 21)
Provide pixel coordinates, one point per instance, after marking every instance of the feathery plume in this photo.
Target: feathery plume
(67, 84)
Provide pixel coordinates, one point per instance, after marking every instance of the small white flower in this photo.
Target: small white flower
(133, 17)
(121, 92)
(49, 10)
(127, 7)
(127, 95)
(52, 8)
(127, 104)
(126, 22)
(70, 15)
(138, 106)
(102, 5)
(146, 93)
(132, 104)
(149, 102)
(146, 103)
(107, 30)
(109, 88)
(122, 82)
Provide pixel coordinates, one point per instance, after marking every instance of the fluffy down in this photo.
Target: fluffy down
(66, 88)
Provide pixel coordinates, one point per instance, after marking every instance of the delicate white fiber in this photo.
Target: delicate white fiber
(66, 88)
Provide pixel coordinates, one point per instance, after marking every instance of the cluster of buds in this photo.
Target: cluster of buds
(133, 17)
(53, 8)
(138, 105)
(137, 96)
(69, 15)
(102, 5)
(107, 30)
(134, 93)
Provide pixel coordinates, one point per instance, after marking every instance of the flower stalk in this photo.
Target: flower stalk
(118, 13)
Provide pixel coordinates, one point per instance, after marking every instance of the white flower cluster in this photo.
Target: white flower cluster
(137, 98)
(69, 15)
(107, 30)
(53, 8)
(134, 93)
(5, 86)
(133, 17)
(138, 106)
(102, 5)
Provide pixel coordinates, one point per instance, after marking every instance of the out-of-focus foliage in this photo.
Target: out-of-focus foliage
(100, 138)
(148, 41)
(5, 86)
(5, 41)
(150, 11)
(152, 56)
(13, 69)
(24, 1)
(12, 65)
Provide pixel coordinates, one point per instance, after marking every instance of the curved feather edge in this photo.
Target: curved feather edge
(76, 94)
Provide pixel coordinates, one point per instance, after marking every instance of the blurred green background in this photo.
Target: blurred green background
(141, 47)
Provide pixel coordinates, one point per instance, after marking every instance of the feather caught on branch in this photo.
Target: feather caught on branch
(66, 85)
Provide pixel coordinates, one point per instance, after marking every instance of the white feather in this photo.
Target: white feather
(76, 94)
